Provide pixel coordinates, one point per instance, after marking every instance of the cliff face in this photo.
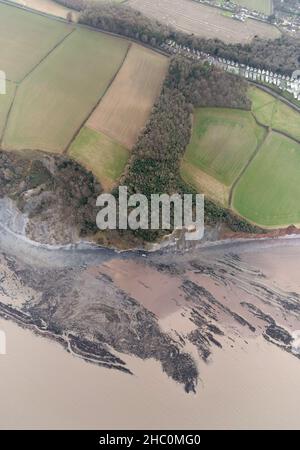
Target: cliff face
(56, 195)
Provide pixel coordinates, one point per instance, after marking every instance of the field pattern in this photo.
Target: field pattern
(101, 155)
(77, 91)
(126, 107)
(25, 39)
(216, 146)
(272, 112)
(253, 169)
(269, 191)
(205, 21)
(53, 102)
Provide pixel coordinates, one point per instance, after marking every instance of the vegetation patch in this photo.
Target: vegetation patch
(101, 155)
(269, 191)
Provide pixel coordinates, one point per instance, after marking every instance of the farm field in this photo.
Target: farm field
(57, 97)
(202, 20)
(100, 154)
(272, 112)
(5, 103)
(216, 147)
(126, 107)
(48, 7)
(25, 39)
(264, 6)
(55, 9)
(251, 169)
(269, 191)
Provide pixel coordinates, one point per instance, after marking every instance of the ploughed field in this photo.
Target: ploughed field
(248, 160)
(58, 76)
(205, 21)
(128, 103)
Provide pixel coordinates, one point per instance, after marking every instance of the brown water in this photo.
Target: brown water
(41, 386)
(250, 383)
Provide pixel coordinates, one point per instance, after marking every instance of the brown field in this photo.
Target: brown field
(126, 107)
(206, 21)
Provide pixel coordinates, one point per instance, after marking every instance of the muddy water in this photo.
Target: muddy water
(249, 383)
(41, 386)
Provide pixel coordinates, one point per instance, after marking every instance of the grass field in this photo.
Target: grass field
(126, 107)
(264, 6)
(274, 113)
(53, 102)
(223, 141)
(25, 39)
(205, 21)
(5, 103)
(100, 154)
(269, 191)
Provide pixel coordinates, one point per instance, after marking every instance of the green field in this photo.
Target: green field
(223, 141)
(5, 103)
(264, 6)
(269, 191)
(25, 39)
(240, 164)
(57, 97)
(100, 154)
(275, 114)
